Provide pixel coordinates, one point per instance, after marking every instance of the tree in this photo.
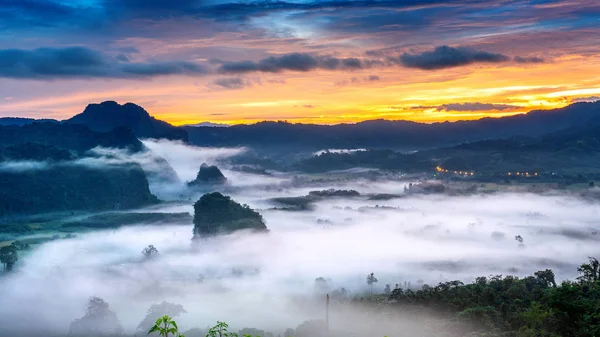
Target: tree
(370, 280)
(546, 277)
(157, 311)
(150, 252)
(8, 256)
(165, 326)
(590, 272)
(98, 320)
(387, 289)
(220, 330)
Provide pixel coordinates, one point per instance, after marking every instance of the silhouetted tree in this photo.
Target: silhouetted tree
(589, 271)
(387, 289)
(370, 280)
(98, 320)
(150, 252)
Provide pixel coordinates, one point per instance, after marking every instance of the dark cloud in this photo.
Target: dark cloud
(476, 106)
(301, 62)
(80, 62)
(531, 59)
(232, 83)
(448, 57)
(373, 78)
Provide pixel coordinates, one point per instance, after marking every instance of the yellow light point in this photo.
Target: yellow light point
(455, 172)
(518, 173)
(471, 173)
(536, 174)
(509, 173)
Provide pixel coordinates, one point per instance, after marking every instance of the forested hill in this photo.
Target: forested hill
(72, 137)
(395, 134)
(42, 169)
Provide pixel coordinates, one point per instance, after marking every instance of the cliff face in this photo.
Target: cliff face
(215, 213)
(67, 187)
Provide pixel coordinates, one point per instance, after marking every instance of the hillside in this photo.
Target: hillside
(394, 134)
(110, 115)
(71, 137)
(19, 121)
(68, 187)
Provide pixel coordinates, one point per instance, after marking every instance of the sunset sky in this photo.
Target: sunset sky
(188, 61)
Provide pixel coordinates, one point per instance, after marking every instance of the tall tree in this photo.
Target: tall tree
(370, 280)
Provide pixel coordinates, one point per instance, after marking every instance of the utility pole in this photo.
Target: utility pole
(327, 312)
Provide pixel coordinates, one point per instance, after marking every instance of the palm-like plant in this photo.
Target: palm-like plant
(166, 326)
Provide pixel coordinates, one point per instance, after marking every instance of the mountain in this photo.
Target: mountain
(73, 137)
(110, 115)
(209, 124)
(23, 121)
(394, 134)
(45, 167)
(208, 175)
(68, 187)
(573, 150)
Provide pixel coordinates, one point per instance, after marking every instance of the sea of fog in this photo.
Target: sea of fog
(264, 280)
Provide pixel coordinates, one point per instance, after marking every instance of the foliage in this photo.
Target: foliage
(165, 326)
(150, 252)
(215, 213)
(8, 257)
(157, 311)
(510, 306)
(73, 187)
(98, 320)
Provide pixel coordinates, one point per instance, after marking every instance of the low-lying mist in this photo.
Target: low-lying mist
(267, 280)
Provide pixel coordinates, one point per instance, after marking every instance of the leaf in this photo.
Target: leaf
(154, 329)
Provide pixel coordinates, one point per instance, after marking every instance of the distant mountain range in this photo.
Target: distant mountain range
(394, 134)
(19, 121)
(400, 135)
(209, 124)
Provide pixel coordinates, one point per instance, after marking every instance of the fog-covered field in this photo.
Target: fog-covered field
(267, 280)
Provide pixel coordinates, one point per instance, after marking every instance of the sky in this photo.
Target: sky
(326, 62)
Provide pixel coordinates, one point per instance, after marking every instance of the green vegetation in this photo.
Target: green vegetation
(509, 306)
(72, 187)
(157, 312)
(165, 327)
(215, 213)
